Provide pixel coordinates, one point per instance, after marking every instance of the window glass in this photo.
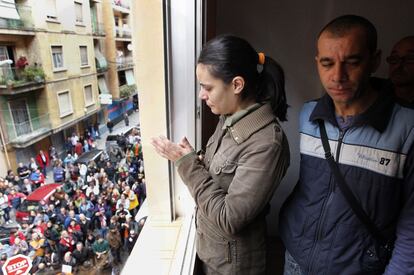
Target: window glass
(57, 56)
(21, 118)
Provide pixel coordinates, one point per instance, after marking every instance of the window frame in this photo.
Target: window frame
(77, 4)
(57, 69)
(92, 102)
(82, 65)
(62, 115)
(51, 16)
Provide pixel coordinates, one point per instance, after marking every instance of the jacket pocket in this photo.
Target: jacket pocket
(214, 250)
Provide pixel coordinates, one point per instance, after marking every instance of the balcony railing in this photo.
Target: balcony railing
(122, 3)
(123, 32)
(21, 133)
(18, 80)
(124, 62)
(98, 29)
(25, 23)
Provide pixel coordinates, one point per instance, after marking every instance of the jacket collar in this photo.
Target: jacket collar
(377, 115)
(251, 123)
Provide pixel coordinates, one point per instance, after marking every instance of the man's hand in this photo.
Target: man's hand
(169, 150)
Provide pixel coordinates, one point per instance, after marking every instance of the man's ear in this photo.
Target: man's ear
(375, 61)
(238, 84)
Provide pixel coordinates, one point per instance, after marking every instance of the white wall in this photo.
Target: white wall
(287, 30)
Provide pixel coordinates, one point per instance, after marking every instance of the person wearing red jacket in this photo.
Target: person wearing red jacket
(42, 160)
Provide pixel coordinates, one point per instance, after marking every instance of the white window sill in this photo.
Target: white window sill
(58, 70)
(80, 24)
(65, 115)
(51, 20)
(164, 247)
(85, 66)
(89, 105)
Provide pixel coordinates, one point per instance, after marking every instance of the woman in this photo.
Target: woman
(245, 158)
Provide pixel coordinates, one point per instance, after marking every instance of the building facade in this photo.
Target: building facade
(64, 66)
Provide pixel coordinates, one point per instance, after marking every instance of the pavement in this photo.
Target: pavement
(119, 128)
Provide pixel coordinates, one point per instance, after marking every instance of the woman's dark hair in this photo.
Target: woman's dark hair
(229, 56)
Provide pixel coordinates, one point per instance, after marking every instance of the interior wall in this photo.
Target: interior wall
(286, 30)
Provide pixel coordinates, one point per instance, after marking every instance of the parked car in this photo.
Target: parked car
(112, 139)
(86, 157)
(32, 202)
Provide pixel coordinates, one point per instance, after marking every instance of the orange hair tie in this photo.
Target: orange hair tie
(261, 58)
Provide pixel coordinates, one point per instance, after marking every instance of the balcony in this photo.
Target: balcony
(15, 81)
(123, 32)
(29, 131)
(122, 6)
(98, 30)
(124, 63)
(22, 26)
(126, 90)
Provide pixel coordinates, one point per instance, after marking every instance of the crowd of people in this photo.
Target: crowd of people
(89, 221)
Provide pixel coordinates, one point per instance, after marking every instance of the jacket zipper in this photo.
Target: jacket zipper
(331, 189)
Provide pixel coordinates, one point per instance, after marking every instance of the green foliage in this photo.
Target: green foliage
(127, 90)
(34, 73)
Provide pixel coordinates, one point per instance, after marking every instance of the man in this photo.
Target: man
(109, 125)
(42, 160)
(371, 139)
(401, 69)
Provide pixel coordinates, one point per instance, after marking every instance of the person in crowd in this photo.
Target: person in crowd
(15, 198)
(43, 160)
(100, 248)
(27, 187)
(53, 153)
(82, 255)
(110, 125)
(23, 171)
(79, 147)
(51, 260)
(245, 159)
(401, 69)
(58, 173)
(368, 133)
(66, 243)
(97, 132)
(52, 236)
(4, 208)
(126, 119)
(73, 140)
(115, 244)
(69, 260)
(131, 240)
(122, 201)
(69, 159)
(10, 176)
(133, 200)
(20, 246)
(37, 179)
(33, 165)
(37, 244)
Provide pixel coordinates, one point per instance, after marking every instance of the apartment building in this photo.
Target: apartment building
(118, 52)
(57, 58)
